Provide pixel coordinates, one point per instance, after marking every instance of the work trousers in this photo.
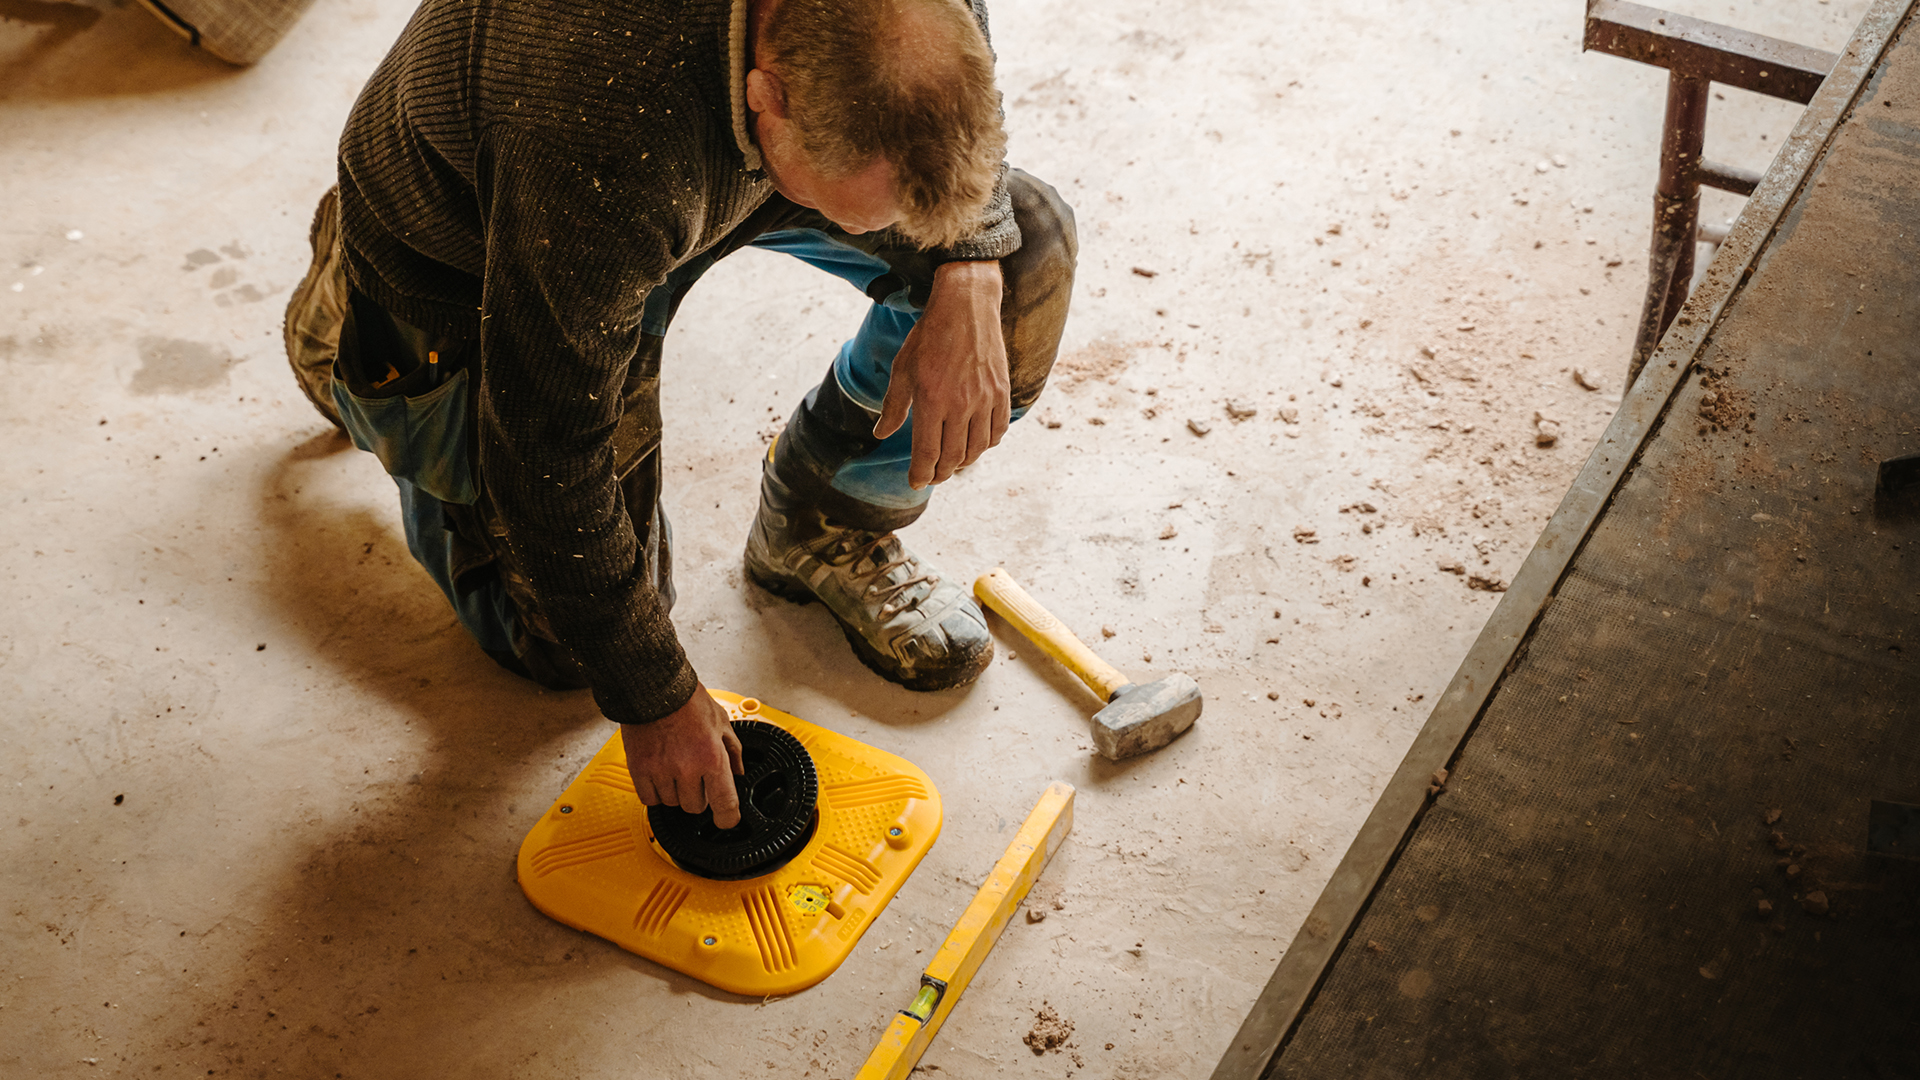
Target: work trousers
(405, 395)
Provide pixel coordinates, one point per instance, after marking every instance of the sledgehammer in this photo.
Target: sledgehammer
(1136, 719)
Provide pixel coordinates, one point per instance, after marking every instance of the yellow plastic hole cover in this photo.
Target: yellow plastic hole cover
(596, 867)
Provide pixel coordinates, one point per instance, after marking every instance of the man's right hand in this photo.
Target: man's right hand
(687, 758)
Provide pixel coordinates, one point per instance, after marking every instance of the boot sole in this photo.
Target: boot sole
(794, 592)
(318, 269)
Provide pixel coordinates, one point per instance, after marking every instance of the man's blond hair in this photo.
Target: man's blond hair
(857, 92)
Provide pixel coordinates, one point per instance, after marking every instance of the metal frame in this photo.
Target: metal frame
(1502, 642)
(1696, 55)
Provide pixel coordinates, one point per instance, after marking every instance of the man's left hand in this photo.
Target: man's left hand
(952, 373)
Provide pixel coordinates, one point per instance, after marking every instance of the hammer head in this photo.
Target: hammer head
(1146, 717)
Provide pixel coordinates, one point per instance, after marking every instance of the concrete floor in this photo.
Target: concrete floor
(266, 796)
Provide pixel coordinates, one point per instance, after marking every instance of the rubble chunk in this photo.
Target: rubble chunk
(1546, 432)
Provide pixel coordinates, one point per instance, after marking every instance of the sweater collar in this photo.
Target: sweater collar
(737, 82)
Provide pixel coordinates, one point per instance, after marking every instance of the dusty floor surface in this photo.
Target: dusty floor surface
(263, 796)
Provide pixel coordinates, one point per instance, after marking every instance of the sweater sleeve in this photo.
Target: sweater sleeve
(996, 236)
(572, 251)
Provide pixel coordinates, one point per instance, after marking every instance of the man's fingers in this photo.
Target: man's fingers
(718, 786)
(725, 798)
(894, 407)
(693, 796)
(926, 452)
(643, 787)
(979, 439)
(953, 449)
(687, 759)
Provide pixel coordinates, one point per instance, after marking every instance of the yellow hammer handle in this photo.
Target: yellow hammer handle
(1001, 593)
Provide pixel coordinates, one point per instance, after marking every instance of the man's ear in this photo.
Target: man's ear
(766, 93)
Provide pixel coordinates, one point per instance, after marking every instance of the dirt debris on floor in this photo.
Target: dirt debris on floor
(1722, 407)
(1049, 1033)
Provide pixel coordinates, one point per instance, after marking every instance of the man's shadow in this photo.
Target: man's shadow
(396, 942)
(63, 51)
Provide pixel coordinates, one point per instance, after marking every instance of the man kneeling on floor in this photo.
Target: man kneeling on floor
(526, 193)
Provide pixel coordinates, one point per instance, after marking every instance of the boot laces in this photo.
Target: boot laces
(857, 547)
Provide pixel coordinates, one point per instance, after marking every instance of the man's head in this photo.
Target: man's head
(879, 112)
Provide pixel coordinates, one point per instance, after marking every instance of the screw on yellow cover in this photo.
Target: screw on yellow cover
(953, 967)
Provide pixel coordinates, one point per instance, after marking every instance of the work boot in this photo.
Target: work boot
(317, 310)
(904, 619)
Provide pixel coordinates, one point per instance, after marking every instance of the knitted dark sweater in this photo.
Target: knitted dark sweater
(524, 173)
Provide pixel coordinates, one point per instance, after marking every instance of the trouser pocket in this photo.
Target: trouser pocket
(420, 439)
(405, 397)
